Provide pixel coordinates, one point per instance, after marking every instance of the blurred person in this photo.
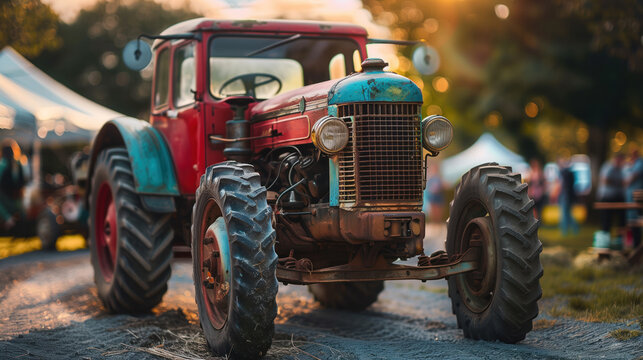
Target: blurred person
(537, 186)
(434, 194)
(611, 189)
(566, 197)
(634, 181)
(12, 182)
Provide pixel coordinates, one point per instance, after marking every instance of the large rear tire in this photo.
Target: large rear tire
(131, 248)
(354, 296)
(491, 210)
(234, 261)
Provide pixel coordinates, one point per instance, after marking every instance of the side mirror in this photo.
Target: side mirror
(426, 59)
(137, 54)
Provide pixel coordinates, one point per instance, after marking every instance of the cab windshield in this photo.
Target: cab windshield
(291, 65)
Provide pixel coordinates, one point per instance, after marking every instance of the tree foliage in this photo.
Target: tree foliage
(527, 66)
(616, 26)
(89, 62)
(28, 26)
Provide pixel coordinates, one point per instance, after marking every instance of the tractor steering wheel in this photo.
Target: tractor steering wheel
(250, 83)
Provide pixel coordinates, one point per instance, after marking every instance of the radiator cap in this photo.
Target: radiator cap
(373, 64)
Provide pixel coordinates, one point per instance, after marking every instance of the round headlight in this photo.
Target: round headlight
(330, 134)
(437, 133)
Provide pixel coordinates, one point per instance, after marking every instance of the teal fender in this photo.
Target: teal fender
(150, 158)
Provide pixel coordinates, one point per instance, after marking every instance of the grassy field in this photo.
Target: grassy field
(593, 294)
(576, 285)
(551, 236)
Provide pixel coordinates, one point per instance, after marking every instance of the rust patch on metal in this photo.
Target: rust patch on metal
(248, 24)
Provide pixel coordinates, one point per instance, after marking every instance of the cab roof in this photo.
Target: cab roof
(271, 26)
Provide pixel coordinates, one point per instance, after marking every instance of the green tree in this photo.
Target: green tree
(28, 26)
(89, 62)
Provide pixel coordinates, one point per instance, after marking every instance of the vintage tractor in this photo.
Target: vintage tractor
(278, 152)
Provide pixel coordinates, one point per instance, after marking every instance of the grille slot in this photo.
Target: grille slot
(383, 160)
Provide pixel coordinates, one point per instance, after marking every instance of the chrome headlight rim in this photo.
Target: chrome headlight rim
(426, 123)
(319, 127)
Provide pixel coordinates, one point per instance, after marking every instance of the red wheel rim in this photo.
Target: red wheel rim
(106, 231)
(214, 286)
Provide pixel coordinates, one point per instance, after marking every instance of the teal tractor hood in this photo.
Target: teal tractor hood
(374, 86)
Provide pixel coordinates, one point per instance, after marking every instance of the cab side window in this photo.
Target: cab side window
(184, 82)
(162, 74)
(337, 67)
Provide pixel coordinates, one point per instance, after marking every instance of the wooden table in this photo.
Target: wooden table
(637, 253)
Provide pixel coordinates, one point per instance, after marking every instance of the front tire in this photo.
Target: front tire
(491, 210)
(353, 296)
(234, 261)
(131, 248)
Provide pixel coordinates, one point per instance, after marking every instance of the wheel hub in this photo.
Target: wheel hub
(215, 270)
(478, 286)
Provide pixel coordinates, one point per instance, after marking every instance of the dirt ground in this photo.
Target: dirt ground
(49, 309)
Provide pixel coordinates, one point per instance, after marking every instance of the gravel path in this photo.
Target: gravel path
(49, 309)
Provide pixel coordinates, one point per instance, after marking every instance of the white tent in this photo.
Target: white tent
(15, 121)
(60, 114)
(79, 111)
(485, 149)
(51, 118)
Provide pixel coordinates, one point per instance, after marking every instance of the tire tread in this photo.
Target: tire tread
(514, 305)
(249, 329)
(144, 244)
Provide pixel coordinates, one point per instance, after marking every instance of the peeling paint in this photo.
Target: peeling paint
(333, 173)
(369, 86)
(150, 157)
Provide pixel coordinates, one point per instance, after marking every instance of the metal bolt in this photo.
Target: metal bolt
(208, 282)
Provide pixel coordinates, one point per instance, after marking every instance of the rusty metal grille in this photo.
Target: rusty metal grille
(383, 161)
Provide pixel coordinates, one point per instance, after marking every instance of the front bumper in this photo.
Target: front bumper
(359, 226)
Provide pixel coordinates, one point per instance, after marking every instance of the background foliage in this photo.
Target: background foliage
(28, 26)
(89, 60)
(550, 77)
